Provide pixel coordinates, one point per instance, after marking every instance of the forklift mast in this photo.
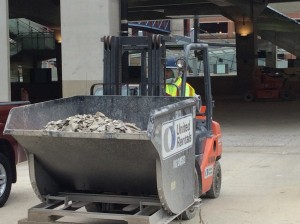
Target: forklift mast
(150, 79)
(207, 82)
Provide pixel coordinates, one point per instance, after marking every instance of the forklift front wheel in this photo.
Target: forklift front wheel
(215, 189)
(191, 212)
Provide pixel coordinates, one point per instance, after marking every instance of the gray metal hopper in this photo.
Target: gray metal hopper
(146, 164)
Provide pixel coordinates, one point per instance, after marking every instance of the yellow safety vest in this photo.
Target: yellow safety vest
(175, 88)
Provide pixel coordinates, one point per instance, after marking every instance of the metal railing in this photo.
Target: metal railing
(32, 41)
(28, 35)
(19, 26)
(157, 26)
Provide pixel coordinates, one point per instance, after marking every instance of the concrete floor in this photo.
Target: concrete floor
(261, 181)
(260, 164)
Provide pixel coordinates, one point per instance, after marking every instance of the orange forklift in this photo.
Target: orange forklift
(268, 83)
(148, 80)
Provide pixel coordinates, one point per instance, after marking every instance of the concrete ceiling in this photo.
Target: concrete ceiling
(162, 9)
(151, 9)
(47, 12)
(280, 30)
(272, 25)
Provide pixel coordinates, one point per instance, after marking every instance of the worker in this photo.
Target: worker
(174, 81)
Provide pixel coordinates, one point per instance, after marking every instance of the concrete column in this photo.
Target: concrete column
(177, 27)
(231, 31)
(59, 66)
(83, 23)
(246, 49)
(271, 56)
(5, 93)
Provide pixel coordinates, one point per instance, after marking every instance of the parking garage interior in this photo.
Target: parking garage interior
(57, 30)
(55, 51)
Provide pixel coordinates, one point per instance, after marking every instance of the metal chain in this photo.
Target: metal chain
(201, 221)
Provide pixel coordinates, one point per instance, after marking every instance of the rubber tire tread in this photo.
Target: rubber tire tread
(213, 191)
(5, 163)
(188, 215)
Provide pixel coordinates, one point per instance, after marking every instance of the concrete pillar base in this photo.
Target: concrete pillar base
(5, 94)
(246, 49)
(83, 24)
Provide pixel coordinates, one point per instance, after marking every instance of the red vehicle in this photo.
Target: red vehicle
(11, 153)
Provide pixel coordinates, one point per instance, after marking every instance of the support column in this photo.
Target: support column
(83, 23)
(246, 49)
(271, 56)
(59, 66)
(5, 94)
(177, 27)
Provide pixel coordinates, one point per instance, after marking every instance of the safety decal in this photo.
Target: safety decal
(208, 172)
(220, 140)
(179, 162)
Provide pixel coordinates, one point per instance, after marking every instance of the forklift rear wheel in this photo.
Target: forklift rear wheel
(285, 95)
(215, 189)
(191, 212)
(249, 97)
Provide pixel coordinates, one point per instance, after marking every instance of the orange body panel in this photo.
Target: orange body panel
(212, 152)
(202, 109)
(267, 84)
(267, 94)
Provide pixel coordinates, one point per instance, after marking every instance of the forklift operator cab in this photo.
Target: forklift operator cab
(174, 80)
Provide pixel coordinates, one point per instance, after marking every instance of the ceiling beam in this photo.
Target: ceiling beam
(174, 12)
(46, 13)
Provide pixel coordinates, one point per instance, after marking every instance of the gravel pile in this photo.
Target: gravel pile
(97, 123)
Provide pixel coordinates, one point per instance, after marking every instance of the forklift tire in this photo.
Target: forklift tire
(249, 97)
(5, 179)
(285, 95)
(215, 189)
(191, 212)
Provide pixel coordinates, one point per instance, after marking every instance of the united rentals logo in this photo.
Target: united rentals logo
(177, 135)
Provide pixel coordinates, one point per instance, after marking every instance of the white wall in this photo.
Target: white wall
(177, 27)
(83, 23)
(4, 53)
